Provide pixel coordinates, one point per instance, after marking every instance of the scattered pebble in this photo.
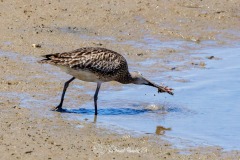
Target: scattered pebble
(197, 40)
(139, 54)
(98, 43)
(28, 152)
(201, 64)
(210, 57)
(36, 46)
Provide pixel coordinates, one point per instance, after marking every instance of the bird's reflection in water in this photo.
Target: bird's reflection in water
(107, 111)
(160, 130)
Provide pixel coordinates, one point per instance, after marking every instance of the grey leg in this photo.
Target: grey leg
(59, 107)
(96, 97)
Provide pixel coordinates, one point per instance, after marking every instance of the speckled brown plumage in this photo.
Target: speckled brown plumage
(106, 64)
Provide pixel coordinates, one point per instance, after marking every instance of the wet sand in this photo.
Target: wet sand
(34, 132)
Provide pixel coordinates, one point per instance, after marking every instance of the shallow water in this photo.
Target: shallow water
(204, 110)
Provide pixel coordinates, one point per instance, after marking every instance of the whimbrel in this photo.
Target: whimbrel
(94, 64)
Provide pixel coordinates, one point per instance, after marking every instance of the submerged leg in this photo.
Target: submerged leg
(59, 107)
(96, 97)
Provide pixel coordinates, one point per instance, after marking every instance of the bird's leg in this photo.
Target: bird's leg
(96, 97)
(59, 107)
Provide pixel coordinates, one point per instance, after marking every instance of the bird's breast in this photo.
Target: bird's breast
(83, 75)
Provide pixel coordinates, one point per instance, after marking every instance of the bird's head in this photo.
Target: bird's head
(137, 78)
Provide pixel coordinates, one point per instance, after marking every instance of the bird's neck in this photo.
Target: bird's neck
(125, 79)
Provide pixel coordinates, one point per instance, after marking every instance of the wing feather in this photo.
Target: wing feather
(98, 60)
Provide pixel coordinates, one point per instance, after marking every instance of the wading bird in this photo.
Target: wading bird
(94, 64)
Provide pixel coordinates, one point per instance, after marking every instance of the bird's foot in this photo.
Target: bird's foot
(58, 109)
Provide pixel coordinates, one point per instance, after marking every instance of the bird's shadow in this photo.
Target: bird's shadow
(107, 111)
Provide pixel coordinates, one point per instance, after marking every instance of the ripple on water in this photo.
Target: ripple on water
(204, 110)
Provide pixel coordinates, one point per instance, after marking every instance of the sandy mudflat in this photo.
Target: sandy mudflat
(28, 90)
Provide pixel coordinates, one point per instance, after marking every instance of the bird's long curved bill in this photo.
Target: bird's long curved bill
(160, 88)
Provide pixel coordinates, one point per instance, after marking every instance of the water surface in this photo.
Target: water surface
(204, 110)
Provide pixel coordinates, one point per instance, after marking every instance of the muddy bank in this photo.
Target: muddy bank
(28, 90)
(61, 26)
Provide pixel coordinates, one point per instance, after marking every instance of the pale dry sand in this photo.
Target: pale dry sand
(28, 90)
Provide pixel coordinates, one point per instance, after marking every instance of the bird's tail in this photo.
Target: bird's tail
(47, 58)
